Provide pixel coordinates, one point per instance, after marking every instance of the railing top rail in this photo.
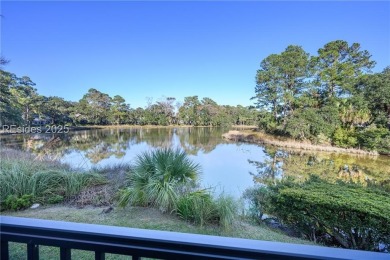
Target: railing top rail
(165, 239)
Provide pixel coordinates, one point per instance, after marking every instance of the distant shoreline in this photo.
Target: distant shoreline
(262, 138)
(162, 126)
(92, 127)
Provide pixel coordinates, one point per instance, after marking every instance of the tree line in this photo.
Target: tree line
(22, 104)
(332, 97)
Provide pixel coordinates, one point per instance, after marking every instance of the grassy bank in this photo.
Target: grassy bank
(151, 218)
(253, 136)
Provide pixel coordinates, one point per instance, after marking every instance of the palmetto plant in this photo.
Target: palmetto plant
(157, 177)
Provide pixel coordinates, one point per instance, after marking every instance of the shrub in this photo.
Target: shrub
(16, 203)
(157, 177)
(256, 198)
(375, 139)
(200, 208)
(352, 215)
(344, 138)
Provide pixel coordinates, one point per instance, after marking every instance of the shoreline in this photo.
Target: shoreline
(265, 139)
(93, 127)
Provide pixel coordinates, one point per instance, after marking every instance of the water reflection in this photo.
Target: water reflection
(225, 164)
(270, 169)
(329, 166)
(100, 144)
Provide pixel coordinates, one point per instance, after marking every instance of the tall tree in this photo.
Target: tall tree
(267, 87)
(95, 106)
(119, 110)
(57, 109)
(189, 111)
(10, 112)
(280, 80)
(167, 108)
(26, 96)
(338, 66)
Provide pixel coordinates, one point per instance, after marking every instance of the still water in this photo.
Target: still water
(226, 166)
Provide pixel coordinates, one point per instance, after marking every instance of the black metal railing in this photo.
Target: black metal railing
(139, 243)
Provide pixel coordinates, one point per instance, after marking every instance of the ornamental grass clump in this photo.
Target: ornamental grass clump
(41, 181)
(157, 177)
(199, 207)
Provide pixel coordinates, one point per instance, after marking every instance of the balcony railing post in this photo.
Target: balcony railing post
(65, 253)
(100, 255)
(4, 250)
(32, 251)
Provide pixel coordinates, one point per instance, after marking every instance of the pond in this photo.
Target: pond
(226, 166)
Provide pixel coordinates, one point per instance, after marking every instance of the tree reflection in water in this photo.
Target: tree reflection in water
(91, 147)
(271, 168)
(300, 164)
(99, 144)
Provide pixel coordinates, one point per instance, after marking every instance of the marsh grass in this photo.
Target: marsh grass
(227, 210)
(196, 207)
(47, 181)
(201, 208)
(254, 136)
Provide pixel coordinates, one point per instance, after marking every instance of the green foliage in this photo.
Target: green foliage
(13, 202)
(376, 91)
(344, 138)
(280, 80)
(338, 66)
(256, 197)
(352, 215)
(45, 181)
(308, 98)
(298, 127)
(55, 199)
(166, 179)
(200, 208)
(226, 211)
(94, 107)
(375, 139)
(267, 122)
(310, 123)
(157, 177)
(197, 207)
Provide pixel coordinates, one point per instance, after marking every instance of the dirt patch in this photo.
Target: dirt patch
(101, 195)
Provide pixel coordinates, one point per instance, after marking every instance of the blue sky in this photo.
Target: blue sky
(155, 49)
